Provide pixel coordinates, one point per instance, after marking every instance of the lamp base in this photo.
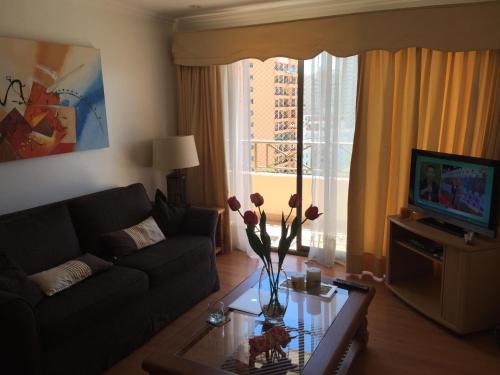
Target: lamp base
(176, 187)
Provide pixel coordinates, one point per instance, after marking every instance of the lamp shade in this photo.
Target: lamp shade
(175, 153)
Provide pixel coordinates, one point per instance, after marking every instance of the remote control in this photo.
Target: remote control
(350, 285)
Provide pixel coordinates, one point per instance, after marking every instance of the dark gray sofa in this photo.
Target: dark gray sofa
(92, 325)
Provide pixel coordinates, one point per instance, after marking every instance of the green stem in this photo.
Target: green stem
(291, 209)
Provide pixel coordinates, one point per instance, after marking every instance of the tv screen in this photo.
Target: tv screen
(457, 189)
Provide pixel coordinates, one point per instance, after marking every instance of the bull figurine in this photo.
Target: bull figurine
(271, 341)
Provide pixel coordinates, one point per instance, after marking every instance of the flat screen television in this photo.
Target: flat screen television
(460, 191)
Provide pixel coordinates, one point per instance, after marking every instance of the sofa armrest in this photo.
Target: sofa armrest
(201, 222)
(19, 343)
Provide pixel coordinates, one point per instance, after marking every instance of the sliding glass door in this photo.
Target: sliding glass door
(274, 122)
(301, 118)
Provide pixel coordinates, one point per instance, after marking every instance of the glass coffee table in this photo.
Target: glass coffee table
(327, 333)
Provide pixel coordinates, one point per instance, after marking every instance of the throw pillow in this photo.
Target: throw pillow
(168, 215)
(14, 280)
(127, 241)
(64, 276)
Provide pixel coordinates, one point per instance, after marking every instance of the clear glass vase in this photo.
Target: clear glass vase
(273, 300)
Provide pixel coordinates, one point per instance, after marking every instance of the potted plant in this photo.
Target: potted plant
(272, 302)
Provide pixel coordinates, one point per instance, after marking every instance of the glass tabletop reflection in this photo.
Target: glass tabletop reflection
(307, 319)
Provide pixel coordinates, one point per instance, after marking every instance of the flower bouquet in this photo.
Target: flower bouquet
(273, 304)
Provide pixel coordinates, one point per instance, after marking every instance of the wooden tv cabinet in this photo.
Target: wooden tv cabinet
(461, 290)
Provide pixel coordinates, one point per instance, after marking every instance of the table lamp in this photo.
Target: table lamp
(175, 153)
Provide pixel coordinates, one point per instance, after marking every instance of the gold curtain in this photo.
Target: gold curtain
(440, 101)
(200, 114)
(459, 27)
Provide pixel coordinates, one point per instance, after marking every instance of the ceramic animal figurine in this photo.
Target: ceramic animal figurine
(274, 339)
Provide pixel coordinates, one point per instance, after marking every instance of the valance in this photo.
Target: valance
(447, 28)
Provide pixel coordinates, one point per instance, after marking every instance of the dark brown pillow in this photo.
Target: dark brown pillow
(127, 241)
(169, 216)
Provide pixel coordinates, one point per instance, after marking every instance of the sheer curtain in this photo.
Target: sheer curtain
(329, 120)
(235, 84)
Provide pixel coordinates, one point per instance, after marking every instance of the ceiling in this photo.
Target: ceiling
(180, 8)
(188, 8)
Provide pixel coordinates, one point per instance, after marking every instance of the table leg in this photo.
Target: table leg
(362, 334)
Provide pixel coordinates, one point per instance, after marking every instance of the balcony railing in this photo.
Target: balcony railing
(281, 157)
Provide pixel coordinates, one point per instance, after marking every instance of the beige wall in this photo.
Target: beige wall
(139, 93)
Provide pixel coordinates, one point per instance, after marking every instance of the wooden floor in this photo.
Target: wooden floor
(402, 342)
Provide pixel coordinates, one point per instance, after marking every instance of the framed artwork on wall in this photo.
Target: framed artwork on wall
(51, 99)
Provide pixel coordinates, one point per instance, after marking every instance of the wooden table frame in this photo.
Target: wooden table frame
(346, 336)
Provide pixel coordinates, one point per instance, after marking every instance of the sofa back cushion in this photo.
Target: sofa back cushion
(108, 211)
(39, 238)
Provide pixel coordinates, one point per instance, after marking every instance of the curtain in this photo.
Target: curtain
(200, 114)
(440, 101)
(237, 144)
(329, 119)
(460, 27)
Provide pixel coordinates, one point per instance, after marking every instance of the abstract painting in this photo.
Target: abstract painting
(51, 99)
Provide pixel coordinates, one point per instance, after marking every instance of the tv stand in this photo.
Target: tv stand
(443, 225)
(455, 284)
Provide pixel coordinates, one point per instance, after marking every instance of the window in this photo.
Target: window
(277, 147)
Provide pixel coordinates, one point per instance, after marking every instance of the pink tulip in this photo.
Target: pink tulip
(233, 203)
(250, 218)
(312, 213)
(257, 199)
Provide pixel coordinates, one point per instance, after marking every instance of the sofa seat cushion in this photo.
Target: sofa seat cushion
(99, 297)
(168, 258)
